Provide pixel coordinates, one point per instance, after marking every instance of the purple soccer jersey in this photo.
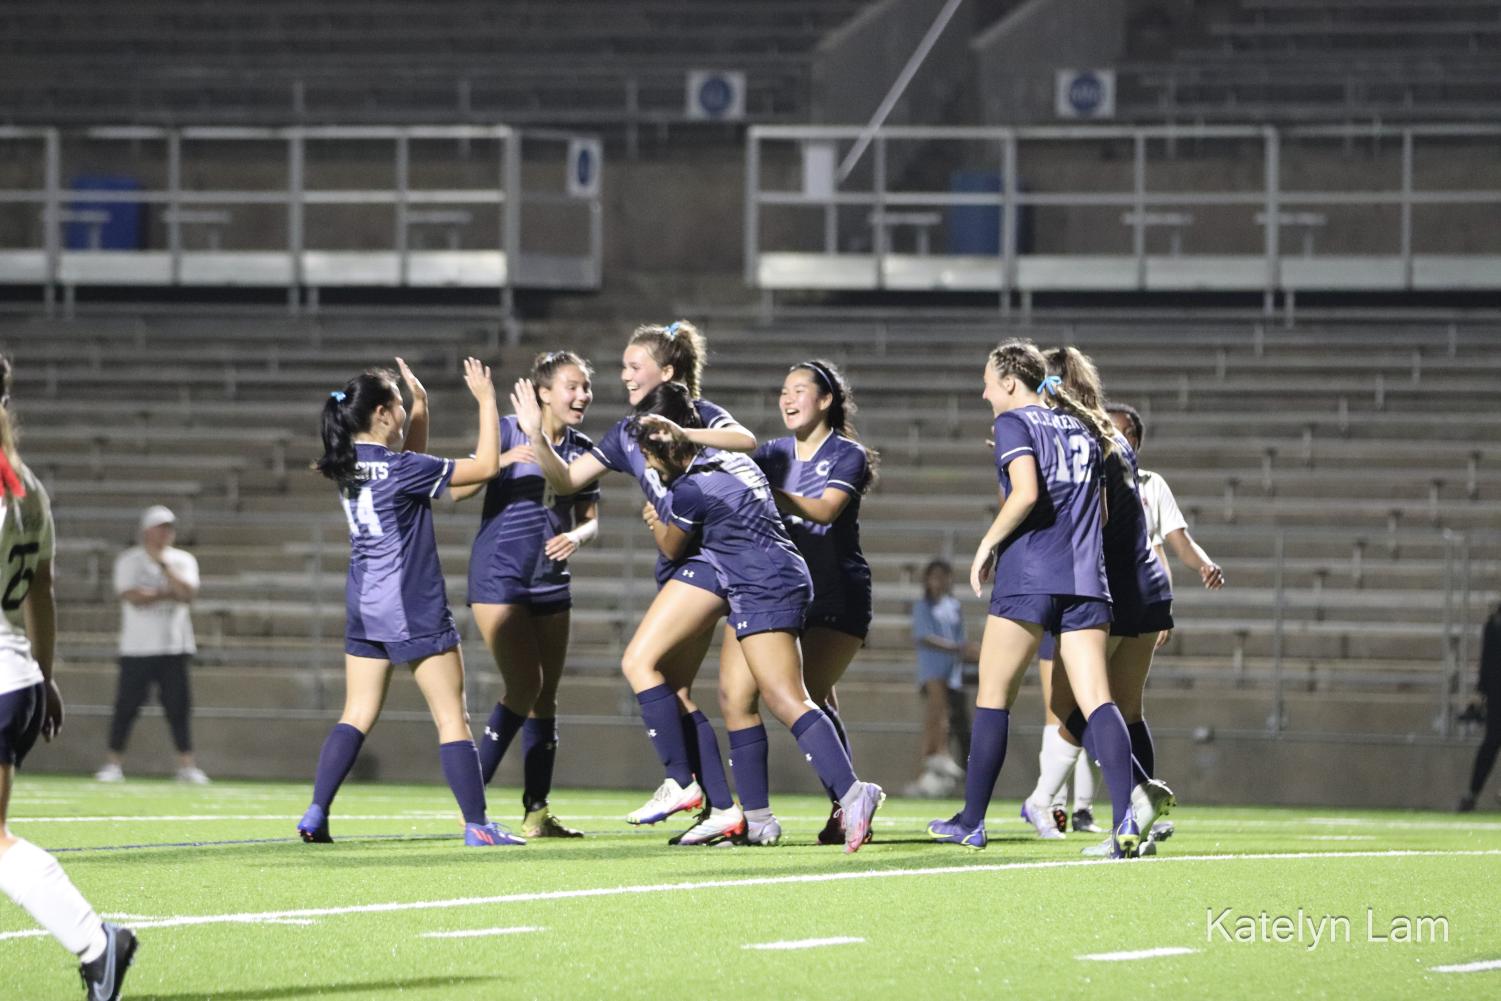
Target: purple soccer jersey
(1136, 576)
(395, 590)
(724, 499)
(832, 551)
(1058, 549)
(521, 513)
(618, 451)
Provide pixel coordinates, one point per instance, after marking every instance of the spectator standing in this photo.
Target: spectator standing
(938, 632)
(156, 583)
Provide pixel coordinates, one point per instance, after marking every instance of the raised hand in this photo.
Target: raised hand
(419, 392)
(526, 408)
(477, 378)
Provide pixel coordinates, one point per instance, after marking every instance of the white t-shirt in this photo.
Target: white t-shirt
(1163, 516)
(26, 539)
(162, 627)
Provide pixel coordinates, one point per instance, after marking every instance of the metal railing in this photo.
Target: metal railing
(1025, 160)
(406, 204)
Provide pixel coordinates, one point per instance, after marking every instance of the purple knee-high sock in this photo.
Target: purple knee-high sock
(748, 762)
(1109, 743)
(1142, 748)
(987, 753)
(659, 711)
(819, 742)
(690, 744)
(711, 766)
(460, 763)
(499, 732)
(844, 739)
(340, 748)
(539, 750)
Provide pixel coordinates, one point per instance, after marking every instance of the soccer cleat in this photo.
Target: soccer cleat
(1147, 848)
(1046, 827)
(1083, 820)
(860, 805)
(929, 785)
(719, 826)
(765, 833)
(192, 775)
(313, 827)
(1161, 831)
(1127, 838)
(542, 824)
(490, 835)
(103, 974)
(1060, 819)
(1466, 804)
(945, 766)
(833, 828)
(110, 773)
(955, 833)
(1105, 849)
(702, 815)
(1149, 800)
(669, 798)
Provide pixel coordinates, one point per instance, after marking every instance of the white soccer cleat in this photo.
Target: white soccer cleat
(930, 785)
(942, 764)
(1042, 821)
(669, 798)
(192, 775)
(1150, 800)
(766, 832)
(718, 827)
(110, 773)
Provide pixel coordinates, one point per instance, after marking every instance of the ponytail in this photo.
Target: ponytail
(1021, 360)
(831, 382)
(1081, 382)
(346, 413)
(680, 345)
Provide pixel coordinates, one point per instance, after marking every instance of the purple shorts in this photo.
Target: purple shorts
(696, 571)
(21, 715)
(1056, 613)
(550, 602)
(403, 651)
(767, 620)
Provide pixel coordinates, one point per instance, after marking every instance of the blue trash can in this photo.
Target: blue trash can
(123, 224)
(976, 229)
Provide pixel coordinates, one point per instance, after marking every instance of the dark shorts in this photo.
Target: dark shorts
(1056, 613)
(768, 620)
(845, 607)
(1148, 619)
(549, 602)
(1048, 648)
(695, 570)
(21, 715)
(403, 651)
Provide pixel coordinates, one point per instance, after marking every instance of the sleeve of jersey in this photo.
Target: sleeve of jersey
(611, 449)
(851, 469)
(1169, 518)
(686, 508)
(923, 623)
(421, 475)
(713, 415)
(1012, 440)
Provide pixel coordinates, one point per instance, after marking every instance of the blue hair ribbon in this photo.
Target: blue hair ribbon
(672, 330)
(338, 395)
(1049, 385)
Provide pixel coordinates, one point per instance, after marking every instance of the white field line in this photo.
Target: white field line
(1480, 967)
(1335, 837)
(804, 943)
(481, 932)
(722, 884)
(1120, 957)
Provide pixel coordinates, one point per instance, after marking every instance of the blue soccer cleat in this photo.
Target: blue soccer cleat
(489, 835)
(955, 833)
(313, 827)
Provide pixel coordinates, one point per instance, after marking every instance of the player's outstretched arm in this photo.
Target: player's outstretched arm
(485, 462)
(40, 611)
(417, 417)
(563, 477)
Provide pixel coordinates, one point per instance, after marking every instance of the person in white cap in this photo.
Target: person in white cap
(156, 584)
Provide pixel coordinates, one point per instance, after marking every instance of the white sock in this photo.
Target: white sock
(34, 880)
(1086, 777)
(1054, 762)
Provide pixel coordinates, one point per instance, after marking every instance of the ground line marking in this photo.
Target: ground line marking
(480, 932)
(805, 943)
(1117, 957)
(714, 884)
(1478, 967)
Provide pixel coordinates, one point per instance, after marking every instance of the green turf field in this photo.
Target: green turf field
(229, 907)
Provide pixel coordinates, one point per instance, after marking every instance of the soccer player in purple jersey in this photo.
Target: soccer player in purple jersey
(722, 501)
(518, 582)
(1142, 597)
(30, 707)
(663, 657)
(1045, 552)
(818, 474)
(397, 610)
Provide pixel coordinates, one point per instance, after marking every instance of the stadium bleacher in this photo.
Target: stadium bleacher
(1361, 449)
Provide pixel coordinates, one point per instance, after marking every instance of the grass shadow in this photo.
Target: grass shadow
(359, 989)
